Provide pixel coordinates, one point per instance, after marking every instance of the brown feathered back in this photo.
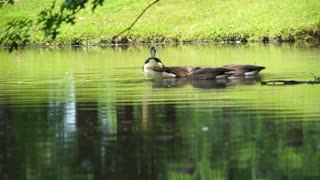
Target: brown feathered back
(241, 69)
(180, 72)
(208, 73)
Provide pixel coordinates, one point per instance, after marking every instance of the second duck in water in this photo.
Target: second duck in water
(154, 69)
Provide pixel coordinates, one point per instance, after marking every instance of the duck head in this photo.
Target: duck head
(152, 62)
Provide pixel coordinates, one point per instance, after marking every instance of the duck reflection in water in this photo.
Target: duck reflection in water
(204, 84)
(243, 80)
(181, 82)
(207, 77)
(169, 82)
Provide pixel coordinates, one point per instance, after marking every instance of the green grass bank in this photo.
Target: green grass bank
(172, 21)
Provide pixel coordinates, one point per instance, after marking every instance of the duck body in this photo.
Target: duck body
(154, 69)
(243, 69)
(153, 65)
(186, 72)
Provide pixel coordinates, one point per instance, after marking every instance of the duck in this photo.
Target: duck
(154, 69)
(243, 69)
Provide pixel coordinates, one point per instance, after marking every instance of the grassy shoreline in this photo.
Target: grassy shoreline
(180, 21)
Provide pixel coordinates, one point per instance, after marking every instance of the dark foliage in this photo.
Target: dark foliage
(17, 32)
(6, 1)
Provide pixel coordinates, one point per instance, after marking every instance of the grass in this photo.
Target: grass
(182, 21)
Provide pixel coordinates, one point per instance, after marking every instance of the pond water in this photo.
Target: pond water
(89, 113)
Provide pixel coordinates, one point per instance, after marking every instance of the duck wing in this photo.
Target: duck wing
(177, 71)
(209, 73)
(242, 69)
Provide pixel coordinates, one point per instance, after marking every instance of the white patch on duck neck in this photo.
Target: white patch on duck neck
(150, 73)
(152, 64)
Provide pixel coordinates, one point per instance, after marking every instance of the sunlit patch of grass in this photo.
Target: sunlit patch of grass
(182, 21)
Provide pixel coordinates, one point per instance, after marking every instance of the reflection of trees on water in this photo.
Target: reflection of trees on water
(156, 141)
(8, 149)
(137, 153)
(88, 151)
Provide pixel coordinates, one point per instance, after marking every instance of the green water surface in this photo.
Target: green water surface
(89, 113)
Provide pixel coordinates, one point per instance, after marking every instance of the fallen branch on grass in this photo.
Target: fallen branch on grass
(134, 22)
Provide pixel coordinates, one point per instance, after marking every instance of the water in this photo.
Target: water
(88, 113)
